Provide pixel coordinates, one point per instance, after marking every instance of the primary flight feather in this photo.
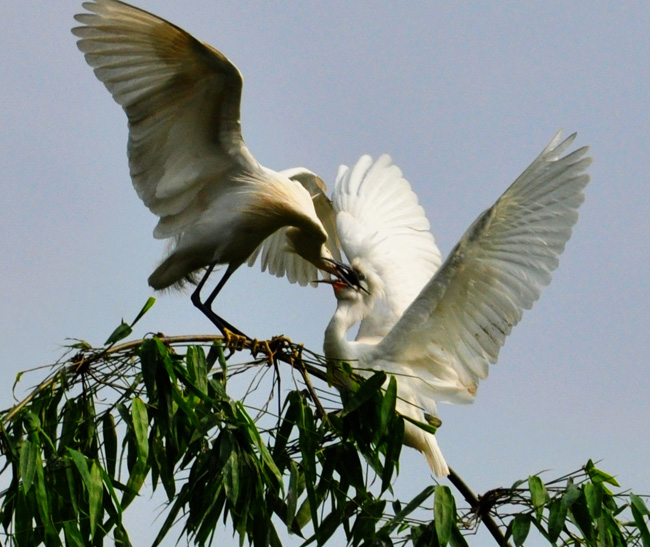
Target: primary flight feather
(188, 160)
(436, 328)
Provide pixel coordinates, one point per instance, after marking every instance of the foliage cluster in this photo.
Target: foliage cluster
(159, 411)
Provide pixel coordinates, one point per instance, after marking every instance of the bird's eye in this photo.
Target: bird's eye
(360, 276)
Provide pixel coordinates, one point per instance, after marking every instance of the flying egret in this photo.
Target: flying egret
(188, 160)
(436, 328)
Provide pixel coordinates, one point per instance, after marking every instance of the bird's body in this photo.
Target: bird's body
(438, 327)
(187, 157)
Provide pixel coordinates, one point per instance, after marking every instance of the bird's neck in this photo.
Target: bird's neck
(336, 344)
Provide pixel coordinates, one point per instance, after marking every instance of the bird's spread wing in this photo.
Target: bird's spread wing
(182, 99)
(460, 320)
(380, 223)
(274, 253)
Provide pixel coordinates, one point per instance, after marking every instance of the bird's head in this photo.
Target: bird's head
(357, 282)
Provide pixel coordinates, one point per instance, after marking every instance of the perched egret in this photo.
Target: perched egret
(188, 160)
(434, 327)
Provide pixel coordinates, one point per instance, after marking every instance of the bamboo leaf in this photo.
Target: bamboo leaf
(639, 509)
(140, 428)
(556, 518)
(82, 465)
(73, 535)
(596, 475)
(408, 509)
(150, 302)
(110, 442)
(388, 405)
(119, 333)
(95, 495)
(28, 453)
(444, 513)
(538, 495)
(365, 392)
(594, 497)
(520, 528)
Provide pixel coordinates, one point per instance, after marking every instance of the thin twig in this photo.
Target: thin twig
(475, 504)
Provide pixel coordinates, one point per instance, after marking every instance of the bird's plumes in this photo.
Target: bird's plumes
(187, 157)
(437, 328)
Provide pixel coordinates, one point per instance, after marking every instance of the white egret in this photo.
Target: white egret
(188, 160)
(436, 328)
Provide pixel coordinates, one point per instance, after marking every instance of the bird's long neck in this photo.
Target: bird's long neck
(336, 344)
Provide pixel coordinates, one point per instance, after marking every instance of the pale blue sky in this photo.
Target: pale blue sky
(463, 98)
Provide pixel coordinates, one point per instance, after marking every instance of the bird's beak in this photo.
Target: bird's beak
(344, 274)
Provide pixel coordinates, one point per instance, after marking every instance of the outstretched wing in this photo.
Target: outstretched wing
(182, 100)
(460, 320)
(273, 252)
(382, 226)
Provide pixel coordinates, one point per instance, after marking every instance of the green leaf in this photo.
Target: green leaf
(444, 513)
(639, 509)
(408, 509)
(82, 465)
(557, 516)
(150, 302)
(73, 535)
(295, 489)
(95, 495)
(538, 494)
(366, 391)
(594, 497)
(28, 453)
(140, 428)
(110, 442)
(119, 333)
(422, 425)
(596, 475)
(520, 528)
(388, 405)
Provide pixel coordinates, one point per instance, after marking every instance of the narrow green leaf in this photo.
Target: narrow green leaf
(457, 538)
(444, 513)
(594, 497)
(119, 333)
(388, 405)
(571, 495)
(73, 535)
(639, 509)
(538, 494)
(422, 425)
(365, 392)
(140, 428)
(393, 450)
(150, 302)
(149, 364)
(24, 517)
(110, 442)
(597, 475)
(582, 517)
(293, 494)
(408, 509)
(82, 465)
(95, 495)
(520, 528)
(43, 502)
(556, 518)
(639, 504)
(28, 453)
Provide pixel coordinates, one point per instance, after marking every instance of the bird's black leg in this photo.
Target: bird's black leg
(206, 306)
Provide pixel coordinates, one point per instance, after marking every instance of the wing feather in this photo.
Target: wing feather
(274, 252)
(381, 223)
(497, 270)
(182, 99)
